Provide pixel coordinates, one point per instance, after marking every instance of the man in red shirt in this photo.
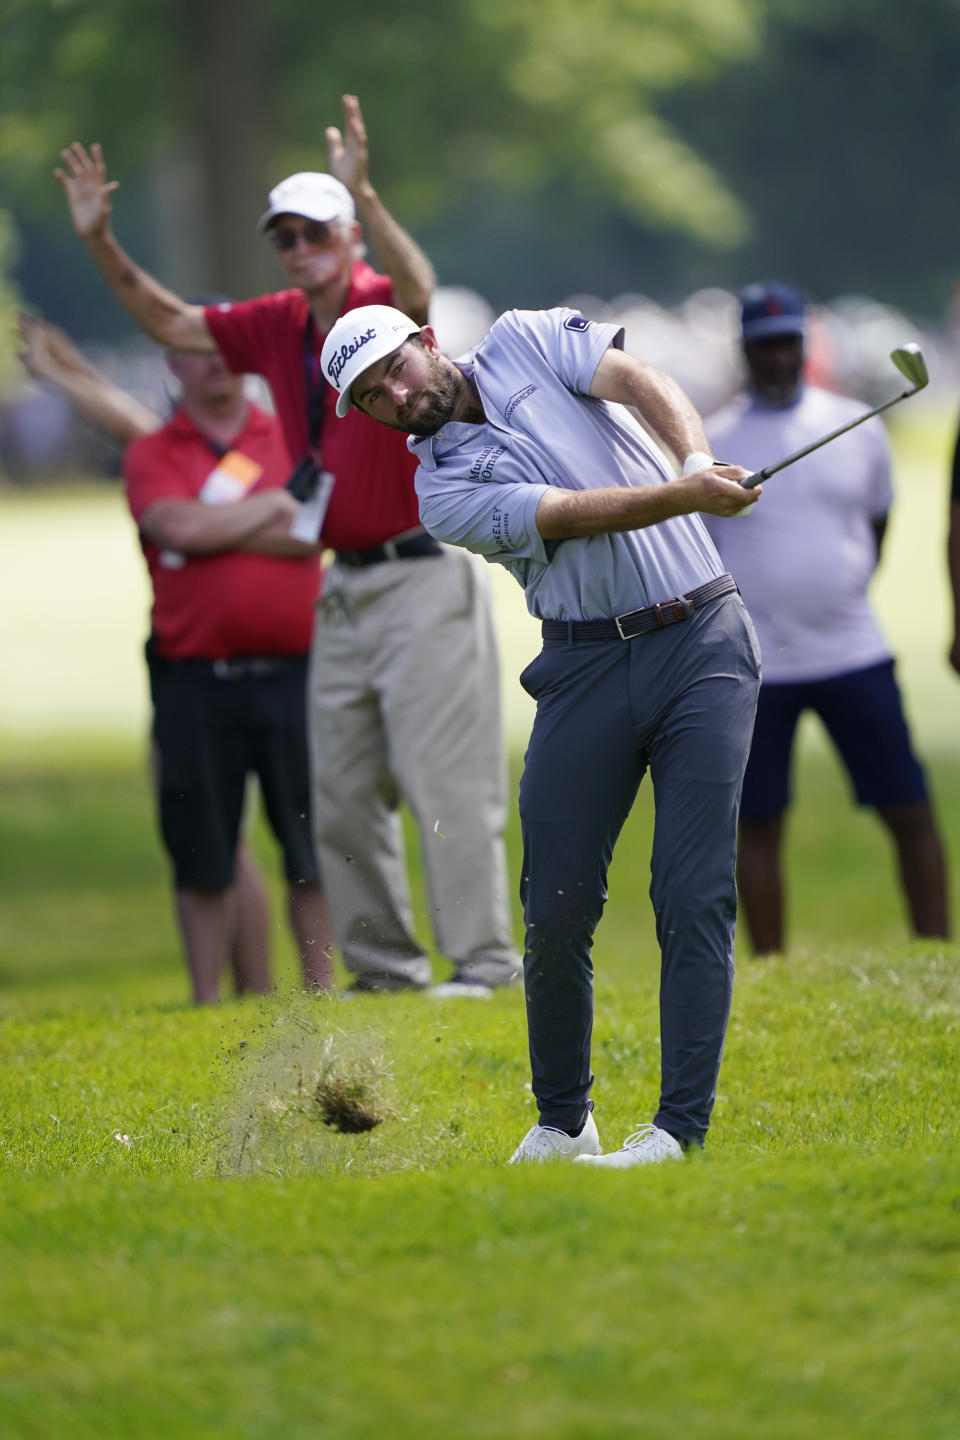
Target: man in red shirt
(49, 355)
(404, 697)
(230, 635)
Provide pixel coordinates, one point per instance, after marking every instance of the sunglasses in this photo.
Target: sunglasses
(315, 232)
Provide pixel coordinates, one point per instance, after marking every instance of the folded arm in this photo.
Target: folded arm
(275, 539)
(193, 528)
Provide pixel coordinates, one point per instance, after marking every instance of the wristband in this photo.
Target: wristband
(697, 461)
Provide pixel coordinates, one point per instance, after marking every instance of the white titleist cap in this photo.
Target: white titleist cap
(311, 194)
(358, 340)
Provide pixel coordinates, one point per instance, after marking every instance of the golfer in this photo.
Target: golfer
(529, 457)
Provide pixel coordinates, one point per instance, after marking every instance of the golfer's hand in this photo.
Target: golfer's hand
(348, 152)
(47, 353)
(89, 193)
(716, 490)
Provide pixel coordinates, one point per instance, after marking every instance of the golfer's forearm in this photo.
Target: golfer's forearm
(563, 514)
(670, 412)
(399, 255)
(162, 315)
(663, 405)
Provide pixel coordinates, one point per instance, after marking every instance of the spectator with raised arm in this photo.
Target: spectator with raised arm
(404, 690)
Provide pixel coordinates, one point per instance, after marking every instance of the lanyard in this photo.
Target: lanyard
(315, 384)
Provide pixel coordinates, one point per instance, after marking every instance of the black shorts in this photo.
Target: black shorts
(214, 724)
(863, 715)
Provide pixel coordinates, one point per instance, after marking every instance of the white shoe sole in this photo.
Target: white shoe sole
(456, 990)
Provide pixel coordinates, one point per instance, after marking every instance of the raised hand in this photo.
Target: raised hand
(88, 191)
(348, 152)
(48, 353)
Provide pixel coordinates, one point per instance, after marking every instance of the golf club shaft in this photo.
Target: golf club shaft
(768, 470)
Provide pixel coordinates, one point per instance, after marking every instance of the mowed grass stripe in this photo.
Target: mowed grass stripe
(796, 1296)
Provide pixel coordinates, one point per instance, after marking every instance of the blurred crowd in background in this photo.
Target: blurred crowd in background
(697, 341)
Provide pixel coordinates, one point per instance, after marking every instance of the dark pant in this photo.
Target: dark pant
(680, 701)
(214, 724)
(863, 714)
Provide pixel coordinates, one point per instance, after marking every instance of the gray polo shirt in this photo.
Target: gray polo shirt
(479, 485)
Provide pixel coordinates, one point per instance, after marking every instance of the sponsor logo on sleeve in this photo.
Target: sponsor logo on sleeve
(482, 467)
(518, 399)
(500, 529)
(576, 322)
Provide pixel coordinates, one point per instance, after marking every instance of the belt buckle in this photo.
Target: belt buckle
(618, 621)
(679, 606)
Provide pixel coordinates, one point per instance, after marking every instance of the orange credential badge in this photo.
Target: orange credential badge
(234, 475)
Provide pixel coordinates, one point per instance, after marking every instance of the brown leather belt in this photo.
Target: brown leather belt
(640, 622)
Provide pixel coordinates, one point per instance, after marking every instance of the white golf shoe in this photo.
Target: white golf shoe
(646, 1146)
(461, 990)
(543, 1143)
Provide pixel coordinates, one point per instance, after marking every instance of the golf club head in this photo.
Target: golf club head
(910, 362)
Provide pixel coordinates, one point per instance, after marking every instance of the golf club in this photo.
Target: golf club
(911, 364)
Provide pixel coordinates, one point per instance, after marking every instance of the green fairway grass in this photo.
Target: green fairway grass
(186, 1249)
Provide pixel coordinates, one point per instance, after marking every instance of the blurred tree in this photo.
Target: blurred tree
(843, 140)
(509, 97)
(9, 299)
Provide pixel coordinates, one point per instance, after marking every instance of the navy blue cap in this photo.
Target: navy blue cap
(772, 309)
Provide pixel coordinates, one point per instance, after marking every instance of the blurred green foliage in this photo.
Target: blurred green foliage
(841, 138)
(537, 147)
(517, 91)
(506, 97)
(9, 369)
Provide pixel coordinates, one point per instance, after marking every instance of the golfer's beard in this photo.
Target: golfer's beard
(442, 395)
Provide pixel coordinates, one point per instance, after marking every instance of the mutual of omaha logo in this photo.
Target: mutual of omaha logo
(518, 399)
(482, 467)
(576, 322)
(340, 357)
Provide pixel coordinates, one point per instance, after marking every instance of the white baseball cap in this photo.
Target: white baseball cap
(311, 194)
(358, 340)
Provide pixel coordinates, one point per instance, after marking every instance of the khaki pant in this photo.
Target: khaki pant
(404, 704)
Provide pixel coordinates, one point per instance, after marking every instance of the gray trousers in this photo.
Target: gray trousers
(681, 702)
(404, 704)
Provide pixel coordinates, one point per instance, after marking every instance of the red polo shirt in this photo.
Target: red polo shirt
(373, 497)
(231, 604)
